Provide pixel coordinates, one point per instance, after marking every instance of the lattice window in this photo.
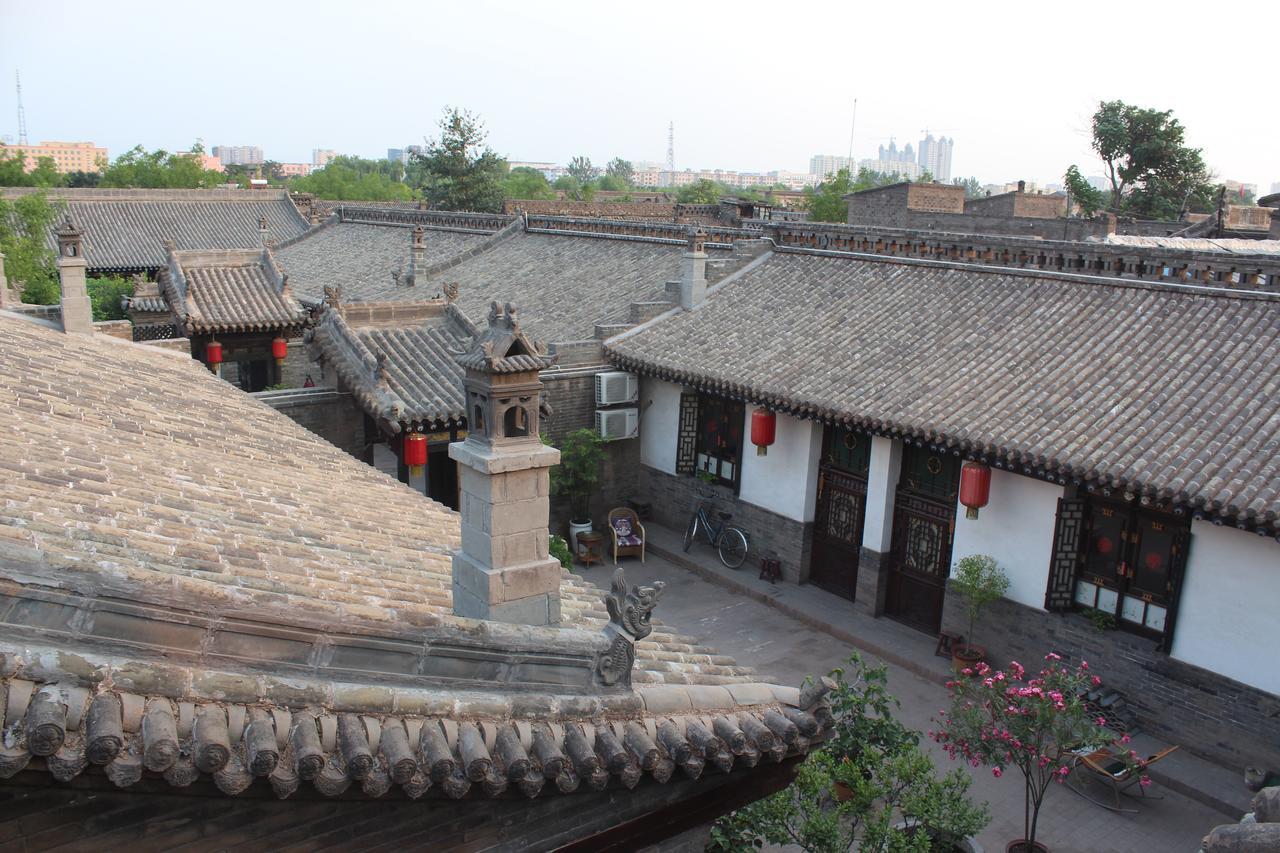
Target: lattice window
(1065, 560)
(156, 332)
(687, 433)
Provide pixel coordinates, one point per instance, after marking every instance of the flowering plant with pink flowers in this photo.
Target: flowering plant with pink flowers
(1032, 723)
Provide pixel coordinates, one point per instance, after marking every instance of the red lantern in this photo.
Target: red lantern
(975, 487)
(279, 350)
(764, 429)
(415, 452)
(213, 354)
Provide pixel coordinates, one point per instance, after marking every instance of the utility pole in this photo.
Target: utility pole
(22, 113)
(671, 153)
(852, 125)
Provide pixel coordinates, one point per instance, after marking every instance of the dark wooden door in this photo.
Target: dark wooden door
(841, 510)
(924, 515)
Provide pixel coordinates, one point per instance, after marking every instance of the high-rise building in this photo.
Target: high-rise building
(1275, 186)
(396, 155)
(66, 156)
(238, 155)
(823, 166)
(320, 156)
(935, 157)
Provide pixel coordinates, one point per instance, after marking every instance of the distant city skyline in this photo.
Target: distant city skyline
(1033, 126)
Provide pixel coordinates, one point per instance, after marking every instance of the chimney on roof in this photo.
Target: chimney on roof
(77, 310)
(262, 231)
(1022, 186)
(417, 255)
(693, 273)
(1273, 234)
(503, 571)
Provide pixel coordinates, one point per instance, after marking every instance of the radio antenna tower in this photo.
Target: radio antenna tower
(22, 113)
(671, 150)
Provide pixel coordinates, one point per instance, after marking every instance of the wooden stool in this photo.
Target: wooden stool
(590, 548)
(946, 642)
(771, 570)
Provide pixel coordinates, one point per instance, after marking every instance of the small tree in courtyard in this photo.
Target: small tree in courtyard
(870, 784)
(1005, 719)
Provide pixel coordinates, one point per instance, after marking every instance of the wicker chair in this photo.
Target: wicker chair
(627, 533)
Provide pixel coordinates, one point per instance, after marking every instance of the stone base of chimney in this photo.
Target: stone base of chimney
(527, 594)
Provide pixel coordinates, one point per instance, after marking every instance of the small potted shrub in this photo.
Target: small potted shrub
(980, 582)
(576, 478)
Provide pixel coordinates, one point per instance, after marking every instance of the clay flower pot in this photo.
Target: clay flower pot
(967, 657)
(1020, 846)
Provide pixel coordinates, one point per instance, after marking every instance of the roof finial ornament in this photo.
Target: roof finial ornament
(451, 291)
(381, 371)
(630, 613)
(333, 295)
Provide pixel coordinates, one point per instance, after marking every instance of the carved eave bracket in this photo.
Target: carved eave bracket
(630, 614)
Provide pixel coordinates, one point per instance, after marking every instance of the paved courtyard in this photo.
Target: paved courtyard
(785, 650)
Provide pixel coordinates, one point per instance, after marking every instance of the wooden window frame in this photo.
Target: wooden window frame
(713, 461)
(1112, 595)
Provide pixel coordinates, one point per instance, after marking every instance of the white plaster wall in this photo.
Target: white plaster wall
(882, 482)
(1016, 528)
(785, 479)
(659, 423)
(1229, 604)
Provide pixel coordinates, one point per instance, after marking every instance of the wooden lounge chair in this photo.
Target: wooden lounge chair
(627, 533)
(1105, 768)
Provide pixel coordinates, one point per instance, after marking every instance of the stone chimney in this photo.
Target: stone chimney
(693, 274)
(1273, 234)
(417, 255)
(503, 572)
(77, 310)
(262, 231)
(1022, 186)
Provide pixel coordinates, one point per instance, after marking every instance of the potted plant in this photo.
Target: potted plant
(1008, 719)
(980, 582)
(576, 477)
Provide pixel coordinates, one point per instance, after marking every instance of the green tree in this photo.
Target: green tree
(827, 203)
(1088, 199)
(107, 296)
(856, 788)
(575, 189)
(527, 182)
(459, 171)
(621, 169)
(24, 223)
(161, 169)
(83, 179)
(1153, 173)
(612, 183)
(580, 168)
(355, 179)
(702, 191)
(13, 171)
(972, 189)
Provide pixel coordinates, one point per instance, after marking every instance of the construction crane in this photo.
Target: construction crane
(22, 113)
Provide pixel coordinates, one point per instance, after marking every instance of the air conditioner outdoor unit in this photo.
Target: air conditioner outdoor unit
(613, 424)
(616, 387)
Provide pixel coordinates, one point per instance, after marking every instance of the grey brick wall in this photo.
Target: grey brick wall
(673, 500)
(1211, 715)
(328, 413)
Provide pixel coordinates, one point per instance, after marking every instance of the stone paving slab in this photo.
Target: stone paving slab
(787, 631)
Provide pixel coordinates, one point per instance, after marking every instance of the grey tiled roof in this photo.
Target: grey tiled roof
(125, 229)
(563, 285)
(1169, 392)
(360, 259)
(421, 382)
(232, 291)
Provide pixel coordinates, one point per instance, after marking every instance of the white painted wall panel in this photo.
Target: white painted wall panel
(785, 480)
(1227, 614)
(659, 423)
(1016, 528)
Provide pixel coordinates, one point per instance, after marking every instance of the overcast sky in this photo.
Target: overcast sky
(750, 86)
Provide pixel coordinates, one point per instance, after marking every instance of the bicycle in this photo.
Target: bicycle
(731, 542)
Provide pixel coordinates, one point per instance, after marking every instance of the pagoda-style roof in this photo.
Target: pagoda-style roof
(240, 290)
(503, 348)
